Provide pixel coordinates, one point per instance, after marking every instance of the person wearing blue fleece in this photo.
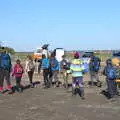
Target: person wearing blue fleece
(5, 69)
(54, 67)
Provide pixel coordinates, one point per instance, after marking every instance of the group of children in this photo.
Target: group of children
(18, 71)
(51, 67)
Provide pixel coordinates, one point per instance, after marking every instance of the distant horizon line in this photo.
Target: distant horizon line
(73, 50)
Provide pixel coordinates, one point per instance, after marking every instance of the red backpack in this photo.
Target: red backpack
(19, 69)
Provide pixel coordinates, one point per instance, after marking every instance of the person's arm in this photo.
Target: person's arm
(104, 71)
(13, 71)
(10, 64)
(22, 69)
(26, 66)
(70, 70)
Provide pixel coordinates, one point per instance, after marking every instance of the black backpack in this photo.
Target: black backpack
(111, 72)
(95, 64)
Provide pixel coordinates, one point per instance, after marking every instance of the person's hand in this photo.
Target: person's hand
(12, 75)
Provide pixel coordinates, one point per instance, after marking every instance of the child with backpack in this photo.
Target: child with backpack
(110, 73)
(45, 66)
(77, 70)
(18, 73)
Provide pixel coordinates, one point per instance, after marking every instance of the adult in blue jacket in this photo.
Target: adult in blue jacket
(54, 67)
(45, 66)
(5, 69)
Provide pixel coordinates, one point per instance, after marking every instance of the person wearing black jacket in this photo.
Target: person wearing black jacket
(94, 68)
(110, 73)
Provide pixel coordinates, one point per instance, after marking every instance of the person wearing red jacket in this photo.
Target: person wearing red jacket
(18, 73)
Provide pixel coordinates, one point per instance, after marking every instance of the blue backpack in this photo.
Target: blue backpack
(95, 64)
(54, 64)
(86, 67)
(45, 63)
(111, 73)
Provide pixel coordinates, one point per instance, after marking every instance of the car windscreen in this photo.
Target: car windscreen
(39, 51)
(86, 55)
(116, 54)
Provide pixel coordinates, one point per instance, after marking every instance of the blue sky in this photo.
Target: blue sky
(72, 24)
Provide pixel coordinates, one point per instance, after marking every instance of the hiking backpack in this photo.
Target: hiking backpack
(111, 73)
(54, 63)
(45, 63)
(19, 69)
(95, 64)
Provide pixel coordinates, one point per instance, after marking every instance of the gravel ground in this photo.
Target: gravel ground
(57, 104)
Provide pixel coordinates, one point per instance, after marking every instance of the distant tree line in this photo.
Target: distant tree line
(8, 49)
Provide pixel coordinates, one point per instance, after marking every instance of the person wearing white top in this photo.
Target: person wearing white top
(29, 68)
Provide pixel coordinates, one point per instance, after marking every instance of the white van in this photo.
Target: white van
(59, 52)
(38, 54)
(40, 51)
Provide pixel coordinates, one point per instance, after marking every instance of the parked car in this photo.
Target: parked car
(39, 51)
(86, 56)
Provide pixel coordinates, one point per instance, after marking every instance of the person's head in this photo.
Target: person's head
(43, 56)
(109, 62)
(3, 50)
(52, 55)
(76, 55)
(63, 57)
(29, 57)
(18, 61)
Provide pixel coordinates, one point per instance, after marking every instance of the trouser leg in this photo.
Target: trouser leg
(46, 79)
(50, 76)
(92, 78)
(1, 79)
(55, 75)
(110, 88)
(81, 84)
(30, 75)
(18, 82)
(7, 77)
(65, 77)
